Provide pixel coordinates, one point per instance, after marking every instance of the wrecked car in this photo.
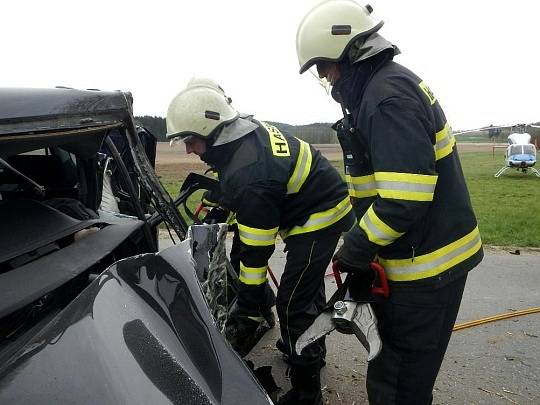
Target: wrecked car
(90, 311)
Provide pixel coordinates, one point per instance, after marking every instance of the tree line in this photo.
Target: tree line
(319, 132)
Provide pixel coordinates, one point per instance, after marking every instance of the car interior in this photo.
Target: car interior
(53, 242)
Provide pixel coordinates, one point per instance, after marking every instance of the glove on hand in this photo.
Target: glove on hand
(211, 198)
(346, 265)
(216, 215)
(360, 272)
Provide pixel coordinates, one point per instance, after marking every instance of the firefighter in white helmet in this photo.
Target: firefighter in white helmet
(275, 183)
(408, 190)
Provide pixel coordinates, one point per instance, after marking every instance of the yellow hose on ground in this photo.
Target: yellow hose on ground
(496, 318)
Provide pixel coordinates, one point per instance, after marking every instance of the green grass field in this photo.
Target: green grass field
(507, 207)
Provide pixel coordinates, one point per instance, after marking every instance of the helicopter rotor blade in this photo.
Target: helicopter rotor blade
(467, 131)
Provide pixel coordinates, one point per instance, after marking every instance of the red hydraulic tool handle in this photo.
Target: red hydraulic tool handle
(380, 276)
(337, 273)
(383, 282)
(200, 207)
(273, 277)
(198, 210)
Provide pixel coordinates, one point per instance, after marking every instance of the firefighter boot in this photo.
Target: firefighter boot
(306, 386)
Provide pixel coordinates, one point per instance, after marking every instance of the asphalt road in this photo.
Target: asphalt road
(495, 363)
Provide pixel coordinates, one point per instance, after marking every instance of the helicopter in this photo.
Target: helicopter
(520, 152)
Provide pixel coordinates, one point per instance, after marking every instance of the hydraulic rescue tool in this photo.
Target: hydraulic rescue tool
(348, 311)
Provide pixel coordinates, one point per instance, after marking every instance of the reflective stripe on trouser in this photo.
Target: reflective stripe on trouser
(444, 142)
(431, 264)
(376, 230)
(256, 236)
(406, 186)
(252, 275)
(361, 186)
(301, 169)
(321, 220)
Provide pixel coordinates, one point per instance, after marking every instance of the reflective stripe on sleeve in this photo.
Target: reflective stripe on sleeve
(376, 230)
(252, 275)
(444, 142)
(257, 237)
(321, 220)
(434, 263)
(361, 186)
(406, 186)
(301, 169)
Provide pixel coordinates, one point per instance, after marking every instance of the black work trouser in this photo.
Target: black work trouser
(301, 294)
(415, 327)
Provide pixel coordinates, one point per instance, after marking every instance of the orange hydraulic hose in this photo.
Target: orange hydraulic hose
(496, 318)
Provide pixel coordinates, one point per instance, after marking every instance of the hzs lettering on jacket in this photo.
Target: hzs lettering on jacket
(427, 91)
(280, 146)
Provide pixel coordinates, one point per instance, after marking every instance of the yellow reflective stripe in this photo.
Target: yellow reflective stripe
(232, 219)
(434, 263)
(209, 203)
(427, 91)
(255, 236)
(444, 142)
(252, 275)
(301, 169)
(406, 186)
(361, 186)
(278, 143)
(376, 230)
(321, 220)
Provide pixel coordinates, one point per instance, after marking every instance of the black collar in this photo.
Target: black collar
(349, 88)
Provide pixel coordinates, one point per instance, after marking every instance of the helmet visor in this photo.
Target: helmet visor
(181, 140)
(317, 70)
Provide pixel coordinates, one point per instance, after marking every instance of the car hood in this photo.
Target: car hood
(140, 333)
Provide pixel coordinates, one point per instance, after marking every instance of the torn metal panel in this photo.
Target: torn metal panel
(218, 278)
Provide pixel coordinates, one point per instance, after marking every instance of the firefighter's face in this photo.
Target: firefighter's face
(195, 145)
(329, 71)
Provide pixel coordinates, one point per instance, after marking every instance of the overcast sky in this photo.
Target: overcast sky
(480, 58)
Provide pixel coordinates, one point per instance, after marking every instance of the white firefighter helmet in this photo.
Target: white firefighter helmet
(204, 81)
(330, 28)
(199, 110)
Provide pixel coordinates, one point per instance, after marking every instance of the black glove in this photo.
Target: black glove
(348, 265)
(211, 198)
(361, 274)
(353, 268)
(216, 215)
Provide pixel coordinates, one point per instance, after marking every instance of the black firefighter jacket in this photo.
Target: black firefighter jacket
(274, 183)
(410, 195)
